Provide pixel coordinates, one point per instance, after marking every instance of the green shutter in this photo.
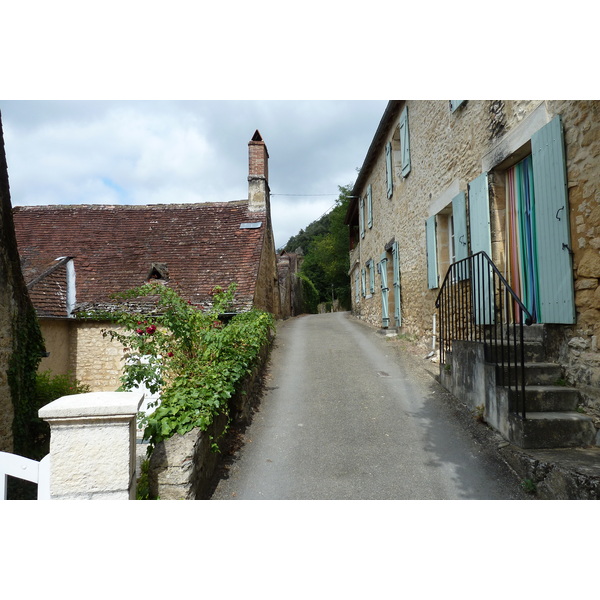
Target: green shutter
(361, 216)
(481, 241)
(396, 259)
(555, 269)
(432, 268)
(459, 217)
(389, 169)
(385, 317)
(369, 207)
(405, 142)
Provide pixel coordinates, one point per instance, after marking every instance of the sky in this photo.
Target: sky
(161, 151)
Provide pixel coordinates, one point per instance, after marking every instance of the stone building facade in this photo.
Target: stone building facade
(433, 166)
(75, 258)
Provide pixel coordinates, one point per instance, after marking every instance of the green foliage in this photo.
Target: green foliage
(142, 491)
(188, 355)
(529, 486)
(28, 346)
(326, 256)
(48, 388)
(310, 294)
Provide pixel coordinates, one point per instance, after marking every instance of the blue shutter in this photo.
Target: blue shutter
(369, 207)
(405, 142)
(481, 240)
(363, 279)
(385, 317)
(389, 171)
(371, 276)
(396, 260)
(461, 243)
(555, 269)
(432, 268)
(361, 216)
(454, 104)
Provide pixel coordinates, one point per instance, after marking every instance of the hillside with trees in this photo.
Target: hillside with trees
(324, 244)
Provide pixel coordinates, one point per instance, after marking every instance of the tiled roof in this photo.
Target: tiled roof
(114, 248)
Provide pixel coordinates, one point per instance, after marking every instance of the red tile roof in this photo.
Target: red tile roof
(114, 248)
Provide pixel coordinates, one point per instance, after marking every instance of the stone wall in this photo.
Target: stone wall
(184, 466)
(97, 361)
(450, 149)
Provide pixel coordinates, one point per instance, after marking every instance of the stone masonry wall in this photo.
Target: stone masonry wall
(450, 149)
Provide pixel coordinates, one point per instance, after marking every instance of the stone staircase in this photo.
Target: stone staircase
(552, 420)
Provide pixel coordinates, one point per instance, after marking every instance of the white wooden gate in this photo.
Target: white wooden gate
(27, 469)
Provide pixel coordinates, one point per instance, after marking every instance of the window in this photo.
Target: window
(446, 234)
(369, 207)
(404, 142)
(389, 169)
(455, 104)
(361, 216)
(371, 269)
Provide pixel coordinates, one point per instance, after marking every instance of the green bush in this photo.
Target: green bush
(193, 359)
(50, 387)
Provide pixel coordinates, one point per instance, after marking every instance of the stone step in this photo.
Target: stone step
(552, 430)
(531, 333)
(548, 398)
(535, 373)
(533, 351)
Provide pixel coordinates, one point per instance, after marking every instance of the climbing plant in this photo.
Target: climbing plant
(188, 354)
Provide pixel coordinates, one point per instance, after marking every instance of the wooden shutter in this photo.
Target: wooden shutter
(481, 241)
(432, 267)
(396, 265)
(389, 169)
(553, 242)
(385, 317)
(461, 242)
(454, 104)
(369, 206)
(361, 216)
(405, 142)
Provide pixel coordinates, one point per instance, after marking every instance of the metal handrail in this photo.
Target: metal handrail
(476, 303)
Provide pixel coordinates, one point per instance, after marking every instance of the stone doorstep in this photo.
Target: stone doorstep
(559, 473)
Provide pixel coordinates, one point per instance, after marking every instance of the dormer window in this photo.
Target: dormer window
(158, 272)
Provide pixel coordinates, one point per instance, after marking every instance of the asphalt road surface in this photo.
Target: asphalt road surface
(344, 416)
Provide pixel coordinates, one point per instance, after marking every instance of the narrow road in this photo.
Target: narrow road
(345, 416)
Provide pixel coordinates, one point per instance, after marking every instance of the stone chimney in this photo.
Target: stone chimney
(258, 174)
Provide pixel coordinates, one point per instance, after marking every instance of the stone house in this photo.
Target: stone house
(74, 258)
(516, 179)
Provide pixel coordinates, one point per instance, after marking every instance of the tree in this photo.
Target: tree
(326, 256)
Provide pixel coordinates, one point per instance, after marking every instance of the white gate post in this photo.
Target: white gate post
(93, 445)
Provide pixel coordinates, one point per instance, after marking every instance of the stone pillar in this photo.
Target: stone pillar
(93, 445)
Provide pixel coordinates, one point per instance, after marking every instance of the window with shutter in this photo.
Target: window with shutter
(389, 169)
(405, 142)
(369, 207)
(361, 216)
(396, 264)
(431, 242)
(454, 104)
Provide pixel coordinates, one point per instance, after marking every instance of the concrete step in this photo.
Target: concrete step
(549, 398)
(552, 430)
(535, 373)
(533, 351)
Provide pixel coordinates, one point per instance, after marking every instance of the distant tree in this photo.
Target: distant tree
(325, 247)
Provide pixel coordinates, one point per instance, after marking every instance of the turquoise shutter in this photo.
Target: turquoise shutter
(396, 260)
(356, 288)
(389, 169)
(405, 142)
(481, 240)
(371, 276)
(369, 207)
(461, 244)
(363, 279)
(385, 317)
(432, 270)
(555, 269)
(361, 216)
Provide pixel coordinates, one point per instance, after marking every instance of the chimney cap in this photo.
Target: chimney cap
(257, 137)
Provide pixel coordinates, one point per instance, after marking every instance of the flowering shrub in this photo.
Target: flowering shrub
(188, 355)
